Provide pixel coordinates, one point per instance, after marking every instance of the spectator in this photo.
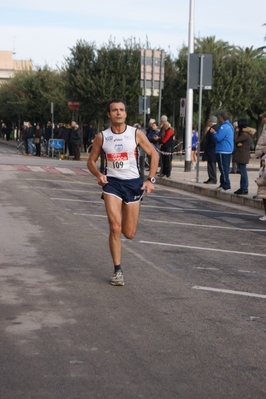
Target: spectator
(24, 137)
(241, 155)
(8, 132)
(63, 135)
(261, 183)
(70, 146)
(29, 135)
(48, 135)
(224, 139)
(37, 140)
(3, 131)
(260, 149)
(209, 151)
(153, 137)
(85, 136)
(234, 168)
(149, 128)
(167, 145)
(92, 133)
(76, 140)
(163, 119)
(194, 147)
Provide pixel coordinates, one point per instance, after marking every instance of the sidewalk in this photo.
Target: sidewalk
(187, 180)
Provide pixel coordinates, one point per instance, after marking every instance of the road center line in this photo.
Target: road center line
(196, 287)
(204, 225)
(75, 200)
(200, 248)
(86, 214)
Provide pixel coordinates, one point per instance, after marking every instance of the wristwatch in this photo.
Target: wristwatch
(152, 179)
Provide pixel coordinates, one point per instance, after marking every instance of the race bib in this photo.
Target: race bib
(118, 160)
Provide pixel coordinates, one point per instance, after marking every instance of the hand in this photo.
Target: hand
(148, 186)
(102, 180)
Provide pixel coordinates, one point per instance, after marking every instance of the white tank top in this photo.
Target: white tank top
(121, 153)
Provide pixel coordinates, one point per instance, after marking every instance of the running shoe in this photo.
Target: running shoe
(118, 278)
(263, 218)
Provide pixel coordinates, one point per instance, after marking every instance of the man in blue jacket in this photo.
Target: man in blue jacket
(224, 139)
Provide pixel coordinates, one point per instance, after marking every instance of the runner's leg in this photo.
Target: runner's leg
(130, 218)
(113, 207)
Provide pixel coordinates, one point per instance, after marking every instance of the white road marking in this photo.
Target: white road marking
(74, 200)
(7, 167)
(246, 271)
(61, 181)
(86, 214)
(65, 171)
(207, 268)
(243, 293)
(204, 225)
(201, 248)
(69, 189)
(36, 168)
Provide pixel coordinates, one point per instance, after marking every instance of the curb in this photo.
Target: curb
(212, 193)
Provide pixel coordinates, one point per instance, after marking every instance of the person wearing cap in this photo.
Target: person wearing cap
(261, 183)
(224, 139)
(260, 148)
(209, 154)
(243, 140)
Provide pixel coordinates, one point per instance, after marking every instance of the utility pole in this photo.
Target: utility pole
(189, 101)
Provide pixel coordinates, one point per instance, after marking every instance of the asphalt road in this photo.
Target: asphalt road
(189, 323)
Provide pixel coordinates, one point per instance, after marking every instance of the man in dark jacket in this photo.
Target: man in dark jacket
(224, 138)
(167, 145)
(209, 154)
(63, 135)
(76, 140)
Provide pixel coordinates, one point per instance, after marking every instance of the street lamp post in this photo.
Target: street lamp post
(189, 101)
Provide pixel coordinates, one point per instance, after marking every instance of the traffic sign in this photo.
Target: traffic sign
(73, 104)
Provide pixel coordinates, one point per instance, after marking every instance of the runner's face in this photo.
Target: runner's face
(117, 113)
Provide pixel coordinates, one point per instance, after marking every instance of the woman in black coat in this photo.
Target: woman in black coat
(209, 151)
(241, 155)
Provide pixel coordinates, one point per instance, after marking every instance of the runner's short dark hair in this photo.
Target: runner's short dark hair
(115, 100)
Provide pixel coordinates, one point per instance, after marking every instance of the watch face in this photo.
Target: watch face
(152, 180)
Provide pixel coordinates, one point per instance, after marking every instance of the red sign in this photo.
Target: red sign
(73, 104)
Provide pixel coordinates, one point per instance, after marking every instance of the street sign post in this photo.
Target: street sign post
(200, 78)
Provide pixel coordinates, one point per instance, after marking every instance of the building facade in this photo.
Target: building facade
(9, 66)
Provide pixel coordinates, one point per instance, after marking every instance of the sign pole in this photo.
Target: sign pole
(200, 107)
(52, 112)
(189, 101)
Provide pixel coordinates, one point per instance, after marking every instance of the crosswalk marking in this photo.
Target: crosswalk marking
(7, 167)
(65, 171)
(44, 169)
(36, 168)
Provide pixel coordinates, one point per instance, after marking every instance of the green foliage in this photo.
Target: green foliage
(93, 76)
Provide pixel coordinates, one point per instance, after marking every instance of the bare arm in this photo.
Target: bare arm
(94, 155)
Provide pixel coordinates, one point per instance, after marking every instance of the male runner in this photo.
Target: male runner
(122, 185)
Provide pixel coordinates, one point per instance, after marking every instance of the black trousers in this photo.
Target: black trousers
(166, 164)
(211, 168)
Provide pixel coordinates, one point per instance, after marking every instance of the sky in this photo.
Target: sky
(44, 31)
